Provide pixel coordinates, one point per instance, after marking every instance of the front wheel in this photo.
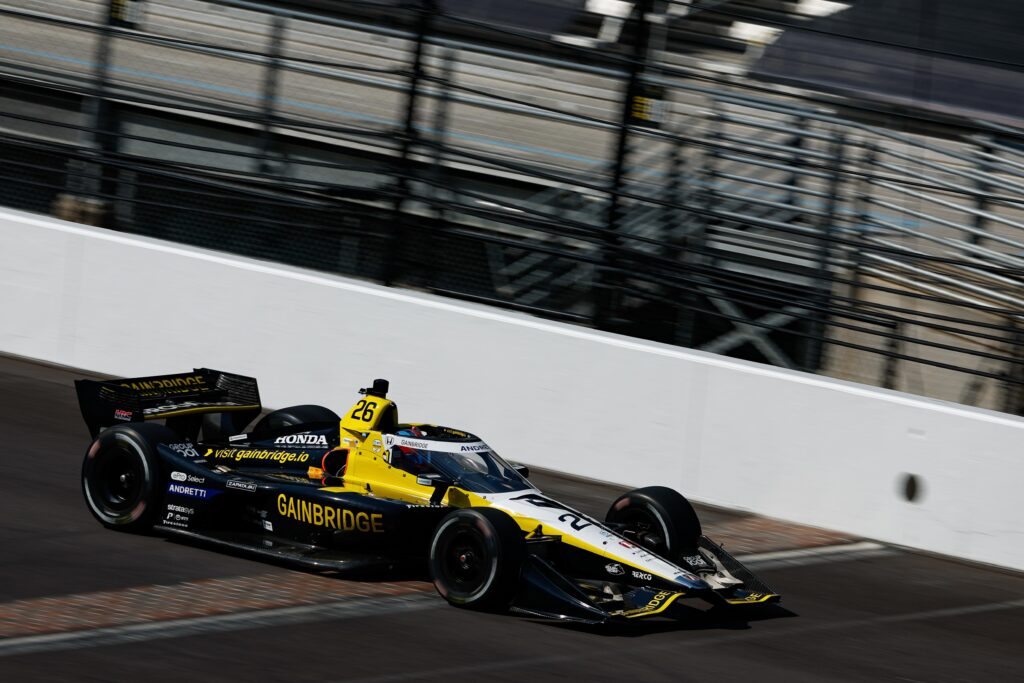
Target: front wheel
(658, 518)
(122, 479)
(476, 557)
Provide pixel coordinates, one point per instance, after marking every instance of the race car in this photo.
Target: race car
(193, 455)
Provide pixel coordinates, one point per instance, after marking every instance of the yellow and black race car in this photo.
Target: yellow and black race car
(365, 491)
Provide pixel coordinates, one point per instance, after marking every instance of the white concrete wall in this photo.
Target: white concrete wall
(727, 432)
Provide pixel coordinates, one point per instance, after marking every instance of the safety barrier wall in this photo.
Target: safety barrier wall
(726, 432)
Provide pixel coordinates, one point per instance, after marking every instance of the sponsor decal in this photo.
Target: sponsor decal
(329, 516)
(656, 601)
(302, 440)
(627, 545)
(240, 454)
(315, 473)
(240, 485)
(268, 525)
(696, 561)
(178, 516)
(190, 491)
(120, 414)
(750, 597)
(172, 384)
(392, 440)
(178, 476)
(185, 450)
(239, 437)
(171, 407)
(191, 478)
(577, 520)
(643, 576)
(614, 569)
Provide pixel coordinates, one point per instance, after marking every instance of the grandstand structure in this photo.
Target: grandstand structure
(629, 176)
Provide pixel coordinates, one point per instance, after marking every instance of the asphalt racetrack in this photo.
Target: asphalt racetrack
(79, 603)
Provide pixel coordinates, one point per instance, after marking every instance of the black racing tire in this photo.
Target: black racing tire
(295, 415)
(476, 557)
(122, 476)
(661, 512)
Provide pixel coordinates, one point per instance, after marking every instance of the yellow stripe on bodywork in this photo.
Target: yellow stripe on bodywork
(193, 411)
(648, 610)
(752, 599)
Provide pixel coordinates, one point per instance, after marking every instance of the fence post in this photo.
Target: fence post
(393, 262)
(893, 346)
(981, 199)
(264, 164)
(813, 358)
(608, 278)
(1013, 387)
(90, 183)
(671, 213)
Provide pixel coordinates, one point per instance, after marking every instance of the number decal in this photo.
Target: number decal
(577, 521)
(364, 410)
(357, 412)
(574, 521)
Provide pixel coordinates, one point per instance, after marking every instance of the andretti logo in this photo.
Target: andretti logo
(191, 491)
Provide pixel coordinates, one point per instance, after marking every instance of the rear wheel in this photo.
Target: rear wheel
(659, 518)
(122, 477)
(296, 415)
(476, 557)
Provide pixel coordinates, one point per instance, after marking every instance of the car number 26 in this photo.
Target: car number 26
(364, 410)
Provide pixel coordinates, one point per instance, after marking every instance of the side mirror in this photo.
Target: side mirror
(523, 470)
(440, 483)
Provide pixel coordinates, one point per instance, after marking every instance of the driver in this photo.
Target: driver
(412, 459)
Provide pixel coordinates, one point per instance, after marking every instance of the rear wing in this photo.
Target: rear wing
(108, 402)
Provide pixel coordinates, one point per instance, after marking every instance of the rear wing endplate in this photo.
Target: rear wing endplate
(109, 402)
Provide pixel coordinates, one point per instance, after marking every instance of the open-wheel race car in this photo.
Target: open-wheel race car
(193, 455)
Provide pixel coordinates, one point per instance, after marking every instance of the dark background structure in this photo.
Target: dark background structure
(623, 182)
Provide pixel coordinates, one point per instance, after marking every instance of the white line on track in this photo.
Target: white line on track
(807, 556)
(177, 628)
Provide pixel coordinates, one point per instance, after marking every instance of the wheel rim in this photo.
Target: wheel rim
(119, 480)
(463, 565)
(642, 521)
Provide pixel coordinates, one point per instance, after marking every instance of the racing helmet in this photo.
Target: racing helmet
(419, 459)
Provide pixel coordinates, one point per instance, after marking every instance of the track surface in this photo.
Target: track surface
(856, 617)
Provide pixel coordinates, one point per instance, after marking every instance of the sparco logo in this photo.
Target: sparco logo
(302, 439)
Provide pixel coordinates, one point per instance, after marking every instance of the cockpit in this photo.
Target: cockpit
(461, 458)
